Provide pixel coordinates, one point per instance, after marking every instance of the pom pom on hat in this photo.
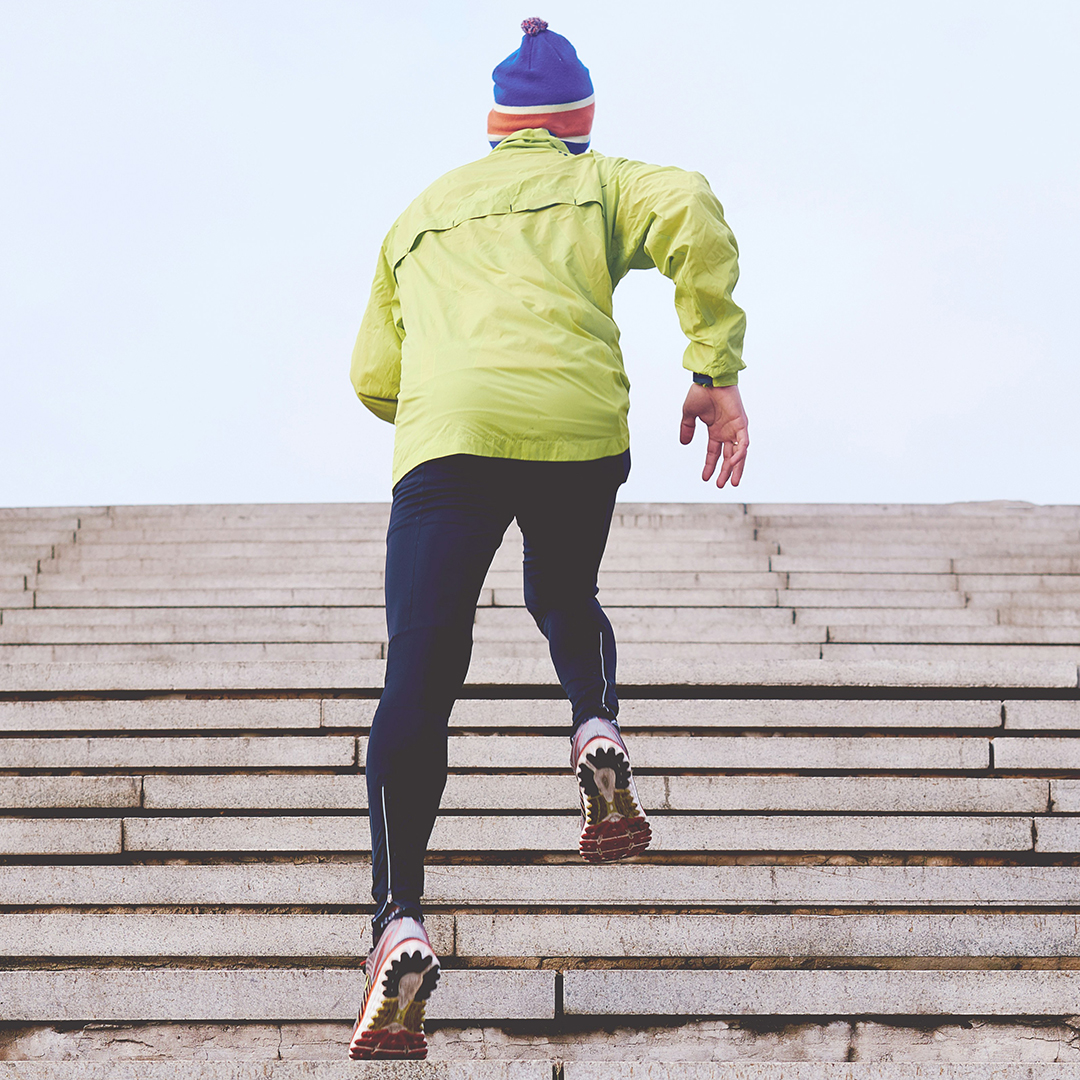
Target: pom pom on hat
(543, 84)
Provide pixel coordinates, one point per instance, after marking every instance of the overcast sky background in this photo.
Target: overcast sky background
(193, 193)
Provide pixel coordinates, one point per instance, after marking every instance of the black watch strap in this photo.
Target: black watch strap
(703, 380)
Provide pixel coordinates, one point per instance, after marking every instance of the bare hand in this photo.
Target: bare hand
(720, 409)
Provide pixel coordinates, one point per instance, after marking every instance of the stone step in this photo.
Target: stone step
(696, 713)
(109, 546)
(541, 833)
(959, 795)
(1050, 583)
(933, 1069)
(338, 1068)
(95, 533)
(940, 652)
(908, 617)
(1044, 714)
(307, 883)
(212, 598)
(1006, 510)
(25, 550)
(811, 580)
(863, 564)
(498, 936)
(105, 994)
(555, 832)
(821, 993)
(1043, 565)
(745, 935)
(500, 752)
(179, 653)
(302, 578)
(213, 752)
(140, 563)
(54, 678)
(931, 548)
(1052, 604)
(142, 935)
(172, 714)
(913, 532)
(69, 792)
(708, 752)
(1065, 796)
(1012, 633)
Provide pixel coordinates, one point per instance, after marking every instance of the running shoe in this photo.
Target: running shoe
(401, 973)
(613, 824)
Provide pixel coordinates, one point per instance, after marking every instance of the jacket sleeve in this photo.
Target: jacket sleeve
(670, 219)
(376, 358)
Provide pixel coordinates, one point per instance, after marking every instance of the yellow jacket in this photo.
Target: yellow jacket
(489, 330)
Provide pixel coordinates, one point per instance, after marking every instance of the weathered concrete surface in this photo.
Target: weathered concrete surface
(1058, 834)
(368, 674)
(885, 1070)
(1006, 654)
(706, 713)
(242, 752)
(1042, 714)
(822, 993)
(63, 934)
(141, 935)
(82, 792)
(59, 836)
(159, 713)
(486, 791)
(560, 833)
(273, 792)
(276, 1070)
(730, 752)
(256, 994)
(318, 883)
(1035, 753)
(767, 935)
(715, 1044)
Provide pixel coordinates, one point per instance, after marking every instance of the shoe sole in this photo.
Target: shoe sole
(395, 1029)
(615, 824)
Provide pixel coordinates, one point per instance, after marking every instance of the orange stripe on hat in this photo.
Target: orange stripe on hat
(576, 122)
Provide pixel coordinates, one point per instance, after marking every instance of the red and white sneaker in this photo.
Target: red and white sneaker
(613, 824)
(401, 972)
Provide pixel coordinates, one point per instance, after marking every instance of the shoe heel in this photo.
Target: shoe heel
(389, 1044)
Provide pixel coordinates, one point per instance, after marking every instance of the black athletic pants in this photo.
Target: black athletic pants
(448, 518)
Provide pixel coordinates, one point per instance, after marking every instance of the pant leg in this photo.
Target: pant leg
(564, 509)
(445, 526)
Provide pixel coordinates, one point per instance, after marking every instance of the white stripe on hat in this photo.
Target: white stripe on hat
(570, 105)
(498, 136)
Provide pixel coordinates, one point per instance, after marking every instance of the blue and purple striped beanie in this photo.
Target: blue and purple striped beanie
(543, 85)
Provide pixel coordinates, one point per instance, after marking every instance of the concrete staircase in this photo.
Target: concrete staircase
(855, 728)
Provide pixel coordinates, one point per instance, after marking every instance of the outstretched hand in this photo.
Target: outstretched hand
(720, 409)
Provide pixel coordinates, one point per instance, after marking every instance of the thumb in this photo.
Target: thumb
(688, 426)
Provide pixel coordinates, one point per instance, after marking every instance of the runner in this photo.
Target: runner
(489, 343)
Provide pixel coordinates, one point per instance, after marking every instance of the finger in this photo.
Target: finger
(686, 429)
(734, 461)
(712, 456)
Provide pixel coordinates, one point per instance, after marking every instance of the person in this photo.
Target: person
(489, 343)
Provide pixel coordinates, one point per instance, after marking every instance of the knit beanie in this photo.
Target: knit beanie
(543, 85)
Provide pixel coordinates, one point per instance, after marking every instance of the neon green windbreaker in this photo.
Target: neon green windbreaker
(490, 331)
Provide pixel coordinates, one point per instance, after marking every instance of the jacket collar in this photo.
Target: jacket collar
(532, 139)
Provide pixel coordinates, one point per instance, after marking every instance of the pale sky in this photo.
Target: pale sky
(194, 193)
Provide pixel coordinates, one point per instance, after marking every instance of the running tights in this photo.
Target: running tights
(447, 520)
